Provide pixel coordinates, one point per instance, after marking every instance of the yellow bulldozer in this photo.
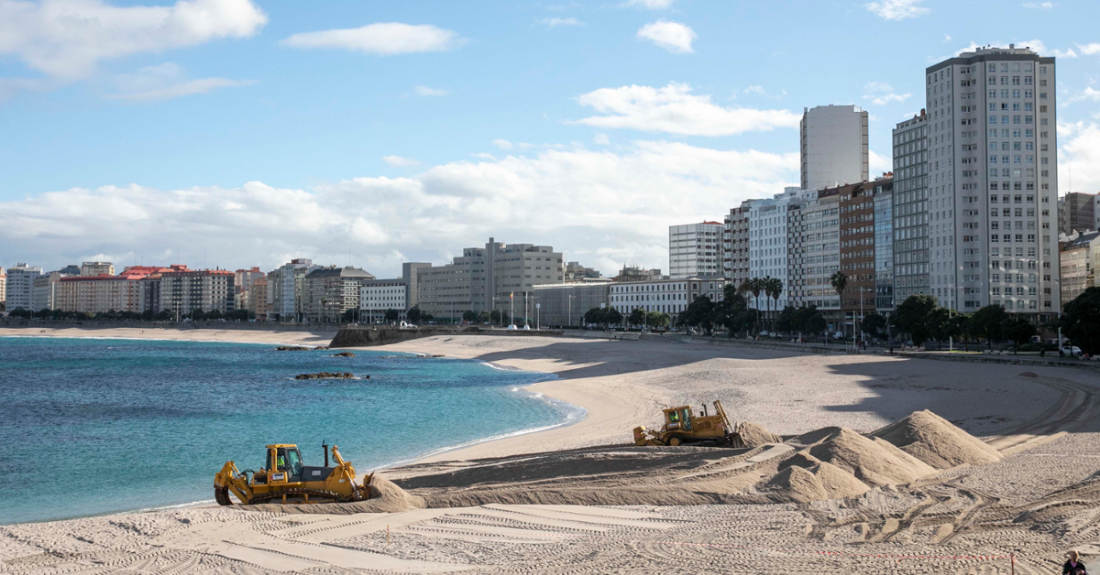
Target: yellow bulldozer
(286, 479)
(683, 427)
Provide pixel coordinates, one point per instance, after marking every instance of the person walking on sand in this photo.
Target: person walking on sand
(1074, 565)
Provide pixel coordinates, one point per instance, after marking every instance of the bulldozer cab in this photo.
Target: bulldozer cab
(678, 419)
(284, 463)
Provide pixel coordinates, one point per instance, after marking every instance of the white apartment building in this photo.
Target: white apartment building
(3, 287)
(44, 291)
(695, 250)
(834, 146)
(735, 244)
(993, 185)
(103, 293)
(97, 269)
(376, 297)
(183, 291)
(768, 251)
(814, 245)
(671, 296)
(20, 286)
(286, 289)
(910, 208)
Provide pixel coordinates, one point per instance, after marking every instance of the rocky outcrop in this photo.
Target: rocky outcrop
(327, 375)
(344, 354)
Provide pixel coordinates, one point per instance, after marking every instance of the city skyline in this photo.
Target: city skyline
(461, 142)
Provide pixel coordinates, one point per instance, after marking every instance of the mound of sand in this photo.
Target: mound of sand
(818, 483)
(385, 497)
(755, 435)
(801, 459)
(935, 441)
(874, 461)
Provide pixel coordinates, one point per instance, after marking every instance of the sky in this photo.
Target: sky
(240, 133)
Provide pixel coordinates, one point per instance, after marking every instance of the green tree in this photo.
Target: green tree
(785, 323)
(596, 316)
(1018, 330)
(754, 286)
(469, 315)
(391, 315)
(483, 317)
(727, 311)
(613, 317)
(839, 281)
(814, 321)
(657, 319)
(637, 316)
(987, 322)
(699, 313)
(874, 324)
(1081, 321)
(413, 314)
(913, 315)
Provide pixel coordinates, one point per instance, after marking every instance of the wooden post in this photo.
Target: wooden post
(388, 538)
(1012, 558)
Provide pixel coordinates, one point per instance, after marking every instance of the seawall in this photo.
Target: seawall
(372, 336)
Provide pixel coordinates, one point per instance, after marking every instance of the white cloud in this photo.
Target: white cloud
(1043, 6)
(897, 9)
(1089, 49)
(1040, 48)
(425, 91)
(946, 38)
(675, 110)
(554, 22)
(758, 90)
(671, 36)
(650, 4)
(878, 164)
(503, 144)
(67, 38)
(400, 161)
(1080, 153)
(427, 217)
(881, 94)
(601, 139)
(166, 81)
(382, 39)
(1090, 94)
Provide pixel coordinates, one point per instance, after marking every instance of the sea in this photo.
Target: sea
(99, 426)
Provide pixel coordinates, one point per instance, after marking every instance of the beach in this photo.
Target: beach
(515, 509)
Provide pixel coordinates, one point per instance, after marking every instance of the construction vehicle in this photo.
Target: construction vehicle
(286, 479)
(683, 427)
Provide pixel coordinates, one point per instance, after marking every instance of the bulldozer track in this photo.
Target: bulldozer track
(329, 495)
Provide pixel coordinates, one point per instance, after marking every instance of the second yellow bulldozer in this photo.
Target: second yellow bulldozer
(286, 479)
(683, 427)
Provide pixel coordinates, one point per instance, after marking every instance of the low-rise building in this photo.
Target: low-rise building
(106, 293)
(378, 296)
(257, 298)
(671, 296)
(97, 269)
(183, 291)
(565, 304)
(575, 272)
(20, 286)
(638, 274)
(1079, 259)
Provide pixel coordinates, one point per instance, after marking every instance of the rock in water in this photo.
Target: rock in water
(344, 354)
(937, 442)
(291, 348)
(326, 375)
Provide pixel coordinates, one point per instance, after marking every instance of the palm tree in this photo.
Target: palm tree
(839, 281)
(776, 290)
(767, 284)
(756, 285)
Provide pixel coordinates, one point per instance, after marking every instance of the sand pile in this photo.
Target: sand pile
(874, 461)
(755, 435)
(935, 441)
(817, 483)
(385, 497)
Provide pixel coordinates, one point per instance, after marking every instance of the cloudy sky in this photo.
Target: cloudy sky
(233, 133)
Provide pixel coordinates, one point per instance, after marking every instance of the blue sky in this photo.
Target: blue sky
(369, 133)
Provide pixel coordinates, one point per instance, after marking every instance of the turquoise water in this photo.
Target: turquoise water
(97, 426)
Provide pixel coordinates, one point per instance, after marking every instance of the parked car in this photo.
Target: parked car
(1071, 350)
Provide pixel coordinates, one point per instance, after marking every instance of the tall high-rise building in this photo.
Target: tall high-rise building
(735, 245)
(834, 146)
(20, 286)
(695, 250)
(331, 291)
(768, 243)
(3, 287)
(910, 209)
(859, 253)
(286, 288)
(814, 247)
(1077, 212)
(993, 181)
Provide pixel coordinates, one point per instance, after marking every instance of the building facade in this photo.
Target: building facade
(671, 296)
(183, 291)
(993, 181)
(1078, 212)
(833, 146)
(331, 291)
(769, 253)
(565, 304)
(1079, 260)
(376, 297)
(97, 269)
(858, 254)
(106, 293)
(695, 250)
(20, 286)
(44, 291)
(911, 256)
(484, 279)
(815, 251)
(3, 288)
(286, 290)
(575, 272)
(884, 251)
(735, 245)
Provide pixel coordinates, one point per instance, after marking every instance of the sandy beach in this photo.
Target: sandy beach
(578, 499)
